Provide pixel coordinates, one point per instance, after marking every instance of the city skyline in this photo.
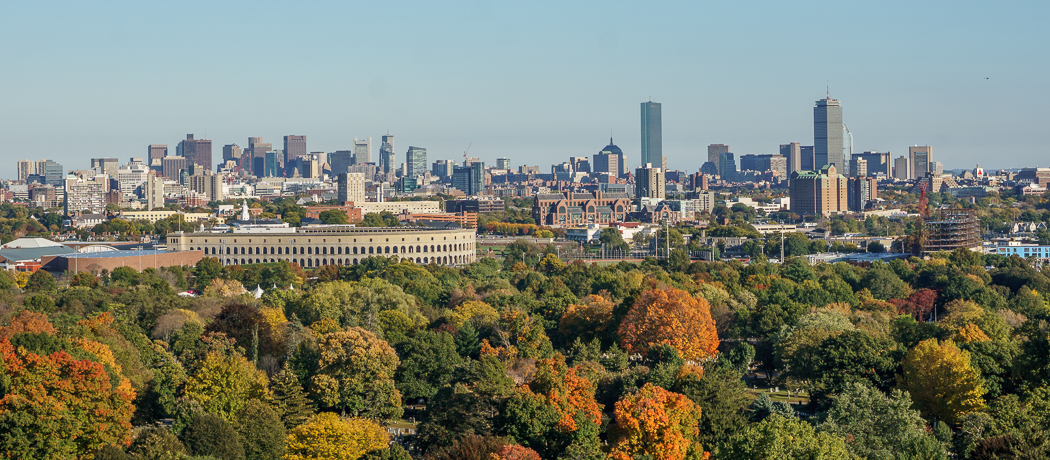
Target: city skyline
(126, 92)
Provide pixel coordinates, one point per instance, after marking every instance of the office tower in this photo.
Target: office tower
(415, 161)
(294, 147)
(172, 166)
(763, 163)
(53, 173)
(921, 157)
(216, 191)
(727, 166)
(858, 167)
(272, 166)
(528, 170)
(793, 153)
(827, 135)
(469, 179)
(650, 182)
(877, 163)
(157, 151)
(580, 164)
(502, 163)
(714, 151)
(609, 160)
(938, 168)
(860, 190)
(698, 181)
(131, 177)
(387, 161)
(25, 168)
(196, 151)
(362, 150)
(257, 150)
(442, 168)
(351, 188)
(902, 168)
(340, 161)
(154, 192)
(107, 166)
(231, 152)
(86, 196)
(808, 161)
(818, 192)
(652, 137)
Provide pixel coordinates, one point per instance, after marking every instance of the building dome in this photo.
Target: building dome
(612, 148)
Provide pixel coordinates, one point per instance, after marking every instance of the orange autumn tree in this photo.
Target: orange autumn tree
(61, 398)
(513, 452)
(673, 317)
(658, 424)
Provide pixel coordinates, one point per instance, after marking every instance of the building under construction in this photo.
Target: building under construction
(957, 228)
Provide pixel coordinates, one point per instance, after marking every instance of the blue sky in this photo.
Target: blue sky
(534, 81)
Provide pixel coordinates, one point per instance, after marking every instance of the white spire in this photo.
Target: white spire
(245, 216)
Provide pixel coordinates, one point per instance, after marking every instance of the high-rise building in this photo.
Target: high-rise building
(362, 150)
(818, 192)
(231, 152)
(650, 182)
(196, 151)
(808, 161)
(351, 188)
(108, 166)
(609, 160)
(652, 137)
(858, 167)
(469, 179)
(827, 135)
(294, 147)
(387, 161)
(763, 163)
(921, 158)
(25, 168)
(173, 165)
(132, 176)
(257, 150)
(860, 190)
(154, 192)
(580, 164)
(442, 168)
(502, 163)
(86, 196)
(793, 153)
(902, 168)
(340, 161)
(415, 161)
(157, 151)
(714, 151)
(53, 173)
(272, 165)
(877, 163)
(727, 166)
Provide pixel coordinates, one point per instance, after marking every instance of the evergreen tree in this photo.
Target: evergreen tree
(467, 343)
(291, 402)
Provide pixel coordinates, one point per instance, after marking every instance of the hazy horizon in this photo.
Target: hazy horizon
(536, 82)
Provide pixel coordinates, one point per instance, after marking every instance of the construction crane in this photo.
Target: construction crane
(465, 153)
(919, 236)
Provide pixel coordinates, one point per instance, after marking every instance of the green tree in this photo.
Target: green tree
(876, 247)
(154, 443)
(293, 405)
(333, 217)
(722, 397)
(428, 360)
(208, 434)
(205, 271)
(879, 427)
(777, 437)
(356, 374)
(261, 430)
(42, 282)
(850, 357)
(612, 239)
(224, 383)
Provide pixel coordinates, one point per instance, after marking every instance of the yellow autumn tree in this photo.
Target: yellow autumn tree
(471, 310)
(673, 317)
(224, 288)
(327, 437)
(942, 381)
(224, 384)
(589, 319)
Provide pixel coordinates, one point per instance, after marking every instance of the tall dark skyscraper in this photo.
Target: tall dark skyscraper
(808, 162)
(827, 135)
(294, 147)
(793, 153)
(196, 151)
(157, 151)
(386, 154)
(652, 137)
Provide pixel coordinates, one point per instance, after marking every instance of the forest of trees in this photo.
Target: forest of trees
(530, 358)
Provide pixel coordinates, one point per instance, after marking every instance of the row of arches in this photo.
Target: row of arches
(309, 250)
(315, 262)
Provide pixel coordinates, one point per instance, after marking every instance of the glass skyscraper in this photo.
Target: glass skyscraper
(415, 162)
(652, 137)
(827, 136)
